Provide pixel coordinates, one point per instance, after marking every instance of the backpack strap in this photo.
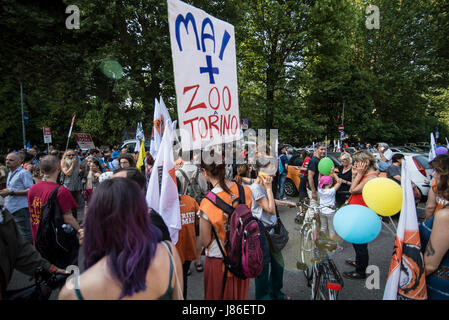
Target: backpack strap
(54, 194)
(186, 178)
(241, 197)
(220, 203)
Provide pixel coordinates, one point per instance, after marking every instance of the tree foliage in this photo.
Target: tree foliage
(298, 61)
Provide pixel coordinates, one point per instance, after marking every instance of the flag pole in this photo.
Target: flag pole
(70, 132)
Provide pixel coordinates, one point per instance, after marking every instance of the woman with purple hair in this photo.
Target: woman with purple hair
(123, 259)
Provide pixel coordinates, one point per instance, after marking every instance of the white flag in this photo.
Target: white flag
(162, 192)
(406, 277)
(161, 119)
(432, 153)
(139, 136)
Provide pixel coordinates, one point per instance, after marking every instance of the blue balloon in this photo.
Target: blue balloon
(357, 224)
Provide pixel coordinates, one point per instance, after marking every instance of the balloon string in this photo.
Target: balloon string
(386, 225)
(394, 226)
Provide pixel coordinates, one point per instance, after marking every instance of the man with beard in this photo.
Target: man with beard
(71, 179)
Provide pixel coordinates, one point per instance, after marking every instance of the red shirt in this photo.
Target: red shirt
(305, 165)
(358, 198)
(39, 194)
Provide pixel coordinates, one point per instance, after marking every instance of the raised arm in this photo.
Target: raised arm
(438, 244)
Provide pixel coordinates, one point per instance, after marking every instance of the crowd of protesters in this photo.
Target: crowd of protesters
(127, 246)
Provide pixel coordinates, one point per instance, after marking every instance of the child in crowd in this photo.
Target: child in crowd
(326, 194)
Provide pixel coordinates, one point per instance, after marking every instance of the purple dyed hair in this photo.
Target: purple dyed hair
(118, 227)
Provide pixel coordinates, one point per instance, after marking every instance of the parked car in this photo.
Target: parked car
(350, 150)
(420, 171)
(293, 179)
(413, 149)
(424, 148)
(131, 144)
(292, 182)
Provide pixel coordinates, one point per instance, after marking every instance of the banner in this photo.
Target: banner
(406, 277)
(162, 193)
(139, 136)
(161, 118)
(204, 63)
(84, 141)
(432, 153)
(141, 158)
(47, 134)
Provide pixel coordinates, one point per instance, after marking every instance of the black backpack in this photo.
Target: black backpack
(53, 242)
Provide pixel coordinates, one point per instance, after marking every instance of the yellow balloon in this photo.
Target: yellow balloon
(383, 196)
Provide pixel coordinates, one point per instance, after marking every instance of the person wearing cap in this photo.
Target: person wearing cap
(326, 194)
(115, 162)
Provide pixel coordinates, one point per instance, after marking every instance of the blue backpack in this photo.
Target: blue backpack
(280, 165)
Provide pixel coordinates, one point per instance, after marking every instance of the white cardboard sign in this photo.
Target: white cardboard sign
(204, 62)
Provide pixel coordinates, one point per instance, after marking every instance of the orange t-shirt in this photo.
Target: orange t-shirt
(186, 244)
(216, 215)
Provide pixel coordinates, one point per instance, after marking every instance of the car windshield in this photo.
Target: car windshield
(424, 161)
(415, 149)
(403, 149)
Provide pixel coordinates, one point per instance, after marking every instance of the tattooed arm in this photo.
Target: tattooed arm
(438, 244)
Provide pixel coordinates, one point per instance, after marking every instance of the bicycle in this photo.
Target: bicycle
(44, 283)
(322, 276)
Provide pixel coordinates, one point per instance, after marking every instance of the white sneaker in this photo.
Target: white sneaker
(284, 198)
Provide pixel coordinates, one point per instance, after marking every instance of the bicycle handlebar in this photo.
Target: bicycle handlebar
(314, 207)
(50, 280)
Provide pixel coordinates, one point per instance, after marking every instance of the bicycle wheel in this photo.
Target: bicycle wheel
(330, 284)
(324, 293)
(316, 280)
(306, 252)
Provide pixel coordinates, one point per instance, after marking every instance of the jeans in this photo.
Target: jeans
(269, 284)
(302, 188)
(282, 179)
(22, 219)
(361, 257)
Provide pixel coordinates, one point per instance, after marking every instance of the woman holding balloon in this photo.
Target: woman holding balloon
(363, 171)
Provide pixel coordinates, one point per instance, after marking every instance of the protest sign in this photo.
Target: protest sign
(204, 63)
(84, 141)
(47, 134)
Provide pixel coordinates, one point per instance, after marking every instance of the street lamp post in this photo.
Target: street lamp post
(23, 122)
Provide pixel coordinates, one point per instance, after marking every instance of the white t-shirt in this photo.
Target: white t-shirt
(258, 192)
(327, 198)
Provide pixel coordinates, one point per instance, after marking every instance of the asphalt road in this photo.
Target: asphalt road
(380, 251)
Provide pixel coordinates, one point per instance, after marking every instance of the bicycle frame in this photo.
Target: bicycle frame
(326, 281)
